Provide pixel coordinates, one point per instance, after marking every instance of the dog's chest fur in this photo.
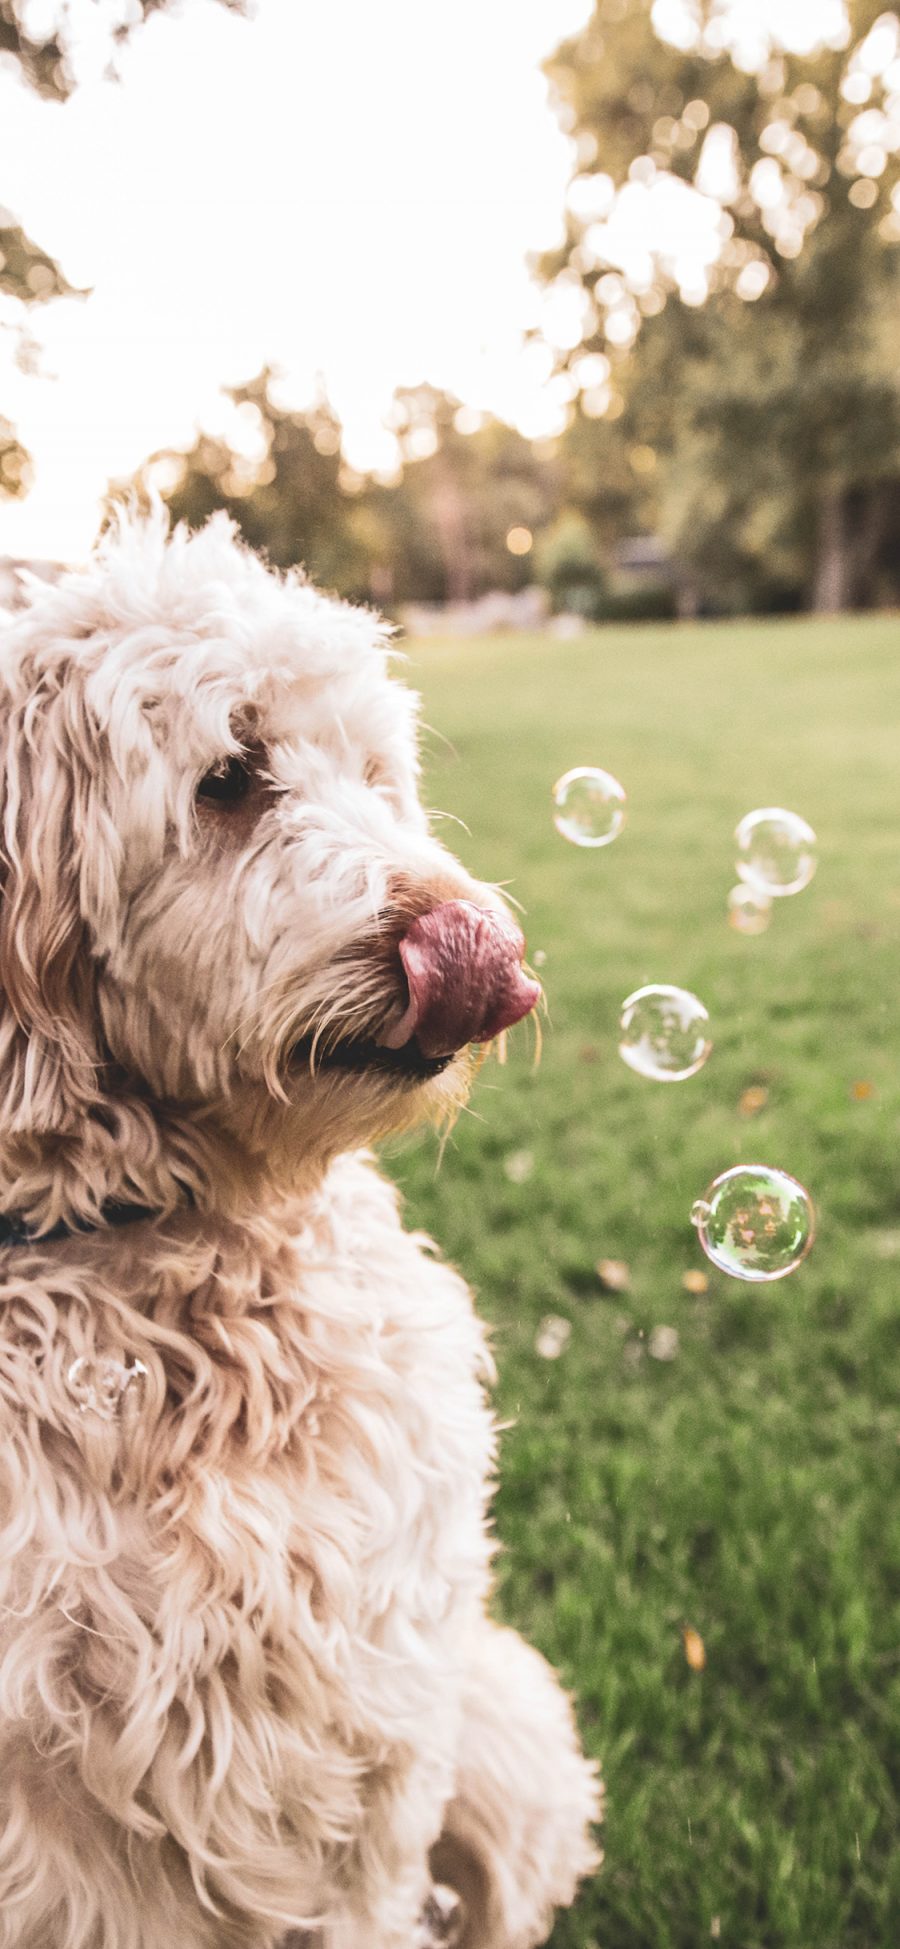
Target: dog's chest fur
(242, 1584)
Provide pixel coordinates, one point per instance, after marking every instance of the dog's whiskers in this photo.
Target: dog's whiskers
(357, 1012)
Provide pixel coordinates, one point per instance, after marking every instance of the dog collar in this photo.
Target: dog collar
(13, 1231)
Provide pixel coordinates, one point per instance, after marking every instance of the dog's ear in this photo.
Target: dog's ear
(48, 1050)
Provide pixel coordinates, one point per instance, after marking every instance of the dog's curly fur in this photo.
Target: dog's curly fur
(247, 1682)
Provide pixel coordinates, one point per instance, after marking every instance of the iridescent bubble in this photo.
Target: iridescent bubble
(776, 852)
(756, 1223)
(749, 909)
(102, 1385)
(589, 806)
(663, 1033)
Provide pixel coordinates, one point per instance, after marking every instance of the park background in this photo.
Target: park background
(675, 453)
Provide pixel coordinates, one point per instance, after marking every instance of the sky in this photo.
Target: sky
(345, 188)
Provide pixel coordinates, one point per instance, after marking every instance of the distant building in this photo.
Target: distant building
(645, 558)
(644, 567)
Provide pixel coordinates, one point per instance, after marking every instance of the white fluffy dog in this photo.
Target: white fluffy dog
(247, 1682)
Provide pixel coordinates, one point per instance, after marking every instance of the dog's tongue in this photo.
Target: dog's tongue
(466, 983)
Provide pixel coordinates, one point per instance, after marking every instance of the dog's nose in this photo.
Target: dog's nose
(463, 966)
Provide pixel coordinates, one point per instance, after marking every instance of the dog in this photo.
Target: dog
(249, 1690)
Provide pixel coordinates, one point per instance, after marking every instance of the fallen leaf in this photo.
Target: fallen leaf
(861, 1092)
(588, 1052)
(553, 1336)
(694, 1648)
(695, 1282)
(663, 1343)
(518, 1165)
(753, 1100)
(614, 1275)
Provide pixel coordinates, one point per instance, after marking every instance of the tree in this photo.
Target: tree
(782, 459)
(286, 487)
(467, 494)
(472, 495)
(568, 565)
(27, 273)
(757, 366)
(30, 276)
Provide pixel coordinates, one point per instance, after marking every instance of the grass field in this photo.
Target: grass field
(747, 1488)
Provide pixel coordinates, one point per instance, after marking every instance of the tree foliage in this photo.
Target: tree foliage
(15, 465)
(26, 271)
(44, 61)
(758, 365)
(469, 482)
(282, 490)
(436, 531)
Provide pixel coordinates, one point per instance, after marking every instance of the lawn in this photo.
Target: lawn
(746, 1488)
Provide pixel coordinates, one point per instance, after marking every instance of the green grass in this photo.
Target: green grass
(749, 1487)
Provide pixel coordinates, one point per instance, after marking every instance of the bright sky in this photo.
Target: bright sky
(345, 187)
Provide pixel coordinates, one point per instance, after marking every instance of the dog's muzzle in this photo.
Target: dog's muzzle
(458, 969)
(463, 967)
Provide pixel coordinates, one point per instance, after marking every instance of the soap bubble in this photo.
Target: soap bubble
(756, 1223)
(749, 909)
(776, 852)
(663, 1033)
(589, 807)
(102, 1385)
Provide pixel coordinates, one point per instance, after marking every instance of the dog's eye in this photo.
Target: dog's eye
(226, 782)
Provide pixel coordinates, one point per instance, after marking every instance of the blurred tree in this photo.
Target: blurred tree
(30, 277)
(472, 495)
(15, 466)
(284, 486)
(43, 57)
(568, 565)
(610, 474)
(26, 272)
(459, 516)
(753, 347)
(779, 466)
